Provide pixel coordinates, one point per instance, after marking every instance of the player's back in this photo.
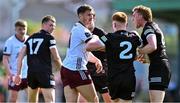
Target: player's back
(38, 51)
(121, 50)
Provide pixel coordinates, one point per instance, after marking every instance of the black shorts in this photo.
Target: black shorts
(100, 83)
(40, 80)
(159, 75)
(21, 86)
(122, 86)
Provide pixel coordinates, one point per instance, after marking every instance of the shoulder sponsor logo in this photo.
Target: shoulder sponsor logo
(104, 38)
(53, 41)
(5, 49)
(87, 34)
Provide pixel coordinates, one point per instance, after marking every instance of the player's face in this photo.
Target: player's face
(87, 18)
(50, 26)
(92, 24)
(137, 18)
(21, 30)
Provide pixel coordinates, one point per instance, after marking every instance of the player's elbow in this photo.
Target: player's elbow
(58, 63)
(89, 47)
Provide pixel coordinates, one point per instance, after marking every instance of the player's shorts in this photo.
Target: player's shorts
(75, 78)
(21, 86)
(100, 83)
(122, 86)
(40, 79)
(159, 75)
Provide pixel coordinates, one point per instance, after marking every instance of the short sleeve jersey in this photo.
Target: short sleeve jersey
(152, 28)
(121, 51)
(38, 51)
(99, 54)
(12, 48)
(76, 55)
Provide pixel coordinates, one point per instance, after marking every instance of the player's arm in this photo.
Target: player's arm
(96, 61)
(20, 59)
(6, 64)
(95, 44)
(56, 57)
(7, 51)
(21, 55)
(151, 46)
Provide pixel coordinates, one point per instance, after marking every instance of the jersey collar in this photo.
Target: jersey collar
(81, 23)
(19, 39)
(122, 32)
(43, 31)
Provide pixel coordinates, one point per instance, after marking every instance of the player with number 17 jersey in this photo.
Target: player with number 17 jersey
(38, 60)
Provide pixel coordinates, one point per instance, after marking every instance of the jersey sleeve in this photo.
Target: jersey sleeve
(52, 42)
(149, 31)
(86, 35)
(138, 39)
(7, 50)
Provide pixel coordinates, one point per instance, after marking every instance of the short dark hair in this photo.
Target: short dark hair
(120, 17)
(84, 8)
(20, 23)
(48, 18)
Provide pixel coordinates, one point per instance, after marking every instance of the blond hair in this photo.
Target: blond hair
(144, 11)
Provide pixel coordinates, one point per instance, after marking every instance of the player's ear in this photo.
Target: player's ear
(80, 16)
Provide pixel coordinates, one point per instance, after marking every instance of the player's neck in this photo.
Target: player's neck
(20, 37)
(144, 23)
(120, 28)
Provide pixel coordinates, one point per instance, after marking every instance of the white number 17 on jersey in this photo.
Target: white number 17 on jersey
(33, 41)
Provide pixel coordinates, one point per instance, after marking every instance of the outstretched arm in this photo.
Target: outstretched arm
(95, 44)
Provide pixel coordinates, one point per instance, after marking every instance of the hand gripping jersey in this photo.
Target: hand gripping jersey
(76, 55)
(12, 48)
(121, 51)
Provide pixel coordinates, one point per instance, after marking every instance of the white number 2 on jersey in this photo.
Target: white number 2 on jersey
(31, 42)
(123, 54)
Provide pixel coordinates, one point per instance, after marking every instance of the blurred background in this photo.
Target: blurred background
(165, 12)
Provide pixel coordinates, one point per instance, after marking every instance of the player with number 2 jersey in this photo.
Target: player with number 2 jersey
(120, 48)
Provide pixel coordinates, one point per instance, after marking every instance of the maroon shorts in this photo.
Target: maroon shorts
(21, 86)
(75, 78)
